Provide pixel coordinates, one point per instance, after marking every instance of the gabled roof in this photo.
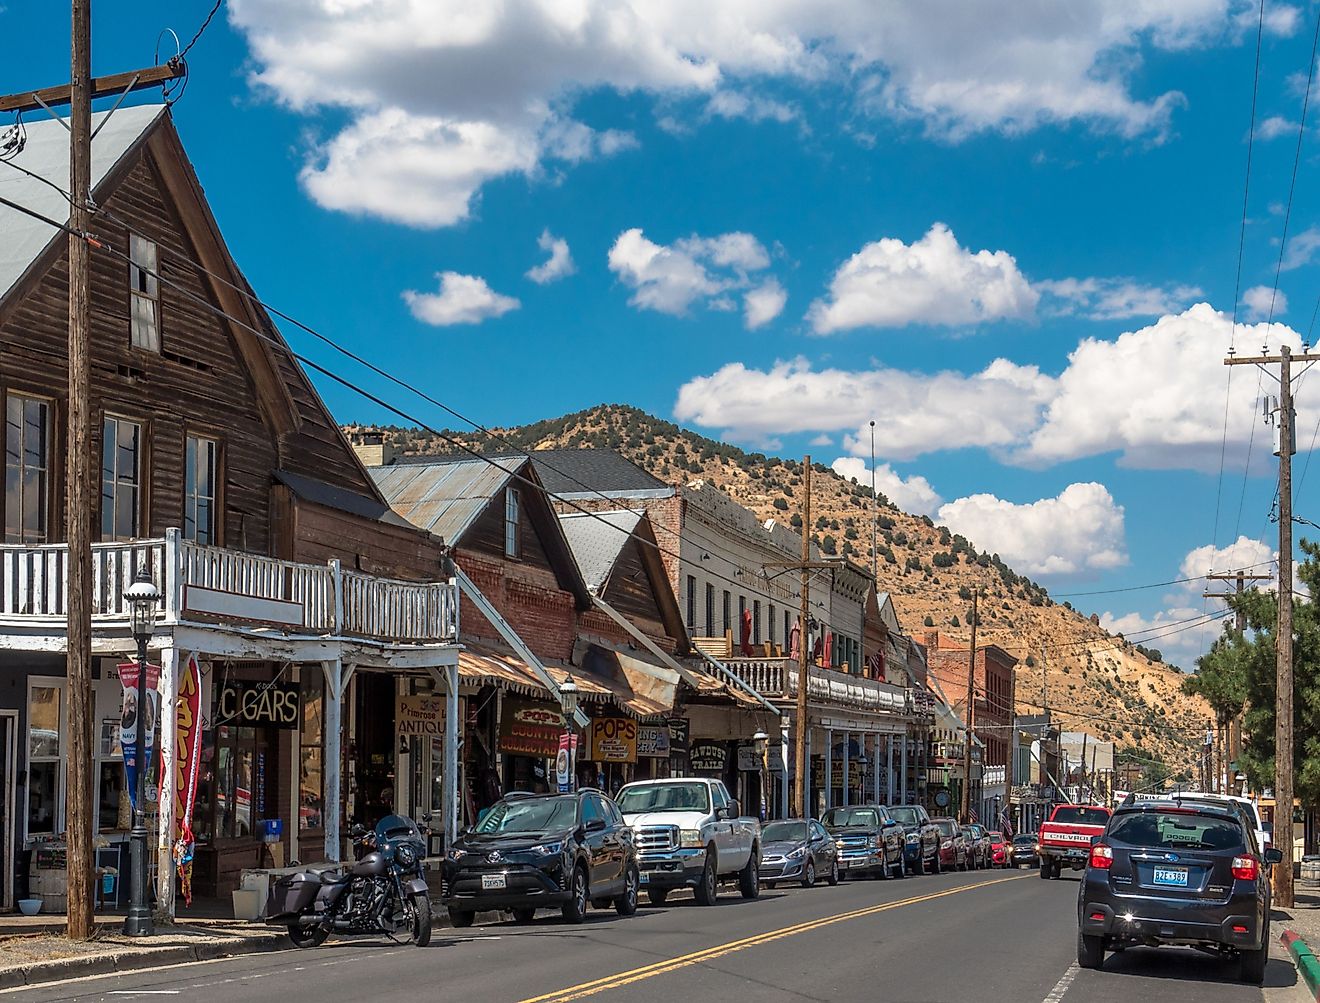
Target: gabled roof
(593, 472)
(597, 539)
(445, 497)
(46, 154)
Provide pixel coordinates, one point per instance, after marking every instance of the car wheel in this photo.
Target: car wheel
(935, 865)
(626, 904)
(461, 919)
(833, 879)
(575, 909)
(657, 896)
(1254, 962)
(749, 878)
(900, 871)
(524, 916)
(1090, 951)
(809, 875)
(708, 888)
(919, 868)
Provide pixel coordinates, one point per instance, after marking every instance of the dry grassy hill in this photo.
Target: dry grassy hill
(1096, 681)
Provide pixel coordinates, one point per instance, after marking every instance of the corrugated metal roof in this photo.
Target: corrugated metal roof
(588, 471)
(596, 539)
(444, 498)
(46, 154)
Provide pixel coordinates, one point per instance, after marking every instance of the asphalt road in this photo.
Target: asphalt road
(993, 935)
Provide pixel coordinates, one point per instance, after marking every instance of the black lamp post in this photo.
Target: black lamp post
(142, 597)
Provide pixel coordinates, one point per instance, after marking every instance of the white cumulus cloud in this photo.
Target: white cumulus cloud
(1244, 554)
(558, 265)
(462, 299)
(1264, 303)
(1078, 532)
(439, 98)
(911, 494)
(672, 278)
(933, 280)
(1114, 298)
(915, 413)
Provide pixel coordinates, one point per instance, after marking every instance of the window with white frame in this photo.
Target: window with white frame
(144, 294)
(121, 455)
(27, 469)
(512, 536)
(199, 489)
(45, 788)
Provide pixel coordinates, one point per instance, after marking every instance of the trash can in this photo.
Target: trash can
(1311, 872)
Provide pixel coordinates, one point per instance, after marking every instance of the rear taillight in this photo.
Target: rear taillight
(1102, 856)
(1246, 868)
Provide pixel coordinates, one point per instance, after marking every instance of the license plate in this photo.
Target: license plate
(849, 863)
(490, 882)
(1174, 877)
(644, 878)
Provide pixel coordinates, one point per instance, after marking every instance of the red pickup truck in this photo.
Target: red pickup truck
(1067, 837)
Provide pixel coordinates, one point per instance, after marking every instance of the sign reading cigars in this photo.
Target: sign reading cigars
(530, 729)
(251, 704)
(613, 740)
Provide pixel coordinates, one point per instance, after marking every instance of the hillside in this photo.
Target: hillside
(1096, 681)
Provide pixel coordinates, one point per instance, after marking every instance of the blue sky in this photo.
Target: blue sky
(985, 229)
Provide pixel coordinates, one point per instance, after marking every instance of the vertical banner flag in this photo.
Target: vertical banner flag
(187, 757)
(566, 761)
(137, 726)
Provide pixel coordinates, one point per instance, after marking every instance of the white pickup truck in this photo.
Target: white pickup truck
(688, 834)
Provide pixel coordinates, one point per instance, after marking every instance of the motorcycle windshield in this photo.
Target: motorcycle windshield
(395, 826)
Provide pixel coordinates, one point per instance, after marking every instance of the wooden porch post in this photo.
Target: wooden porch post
(334, 695)
(452, 726)
(165, 727)
(903, 768)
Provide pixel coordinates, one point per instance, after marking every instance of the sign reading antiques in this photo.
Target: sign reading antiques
(613, 740)
(530, 729)
(252, 704)
(420, 716)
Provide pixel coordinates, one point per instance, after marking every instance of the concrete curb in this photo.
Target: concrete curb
(59, 969)
(1308, 966)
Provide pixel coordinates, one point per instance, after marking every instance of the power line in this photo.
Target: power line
(1152, 585)
(200, 31)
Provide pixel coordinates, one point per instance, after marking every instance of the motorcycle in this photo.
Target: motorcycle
(383, 892)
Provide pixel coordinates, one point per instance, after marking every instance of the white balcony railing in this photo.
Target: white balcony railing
(777, 678)
(205, 584)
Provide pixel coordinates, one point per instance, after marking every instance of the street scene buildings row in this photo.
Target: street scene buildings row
(380, 634)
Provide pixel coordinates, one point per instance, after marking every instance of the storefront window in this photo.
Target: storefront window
(43, 759)
(311, 782)
(44, 723)
(235, 754)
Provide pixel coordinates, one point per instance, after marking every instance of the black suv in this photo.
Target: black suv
(921, 838)
(1173, 873)
(534, 851)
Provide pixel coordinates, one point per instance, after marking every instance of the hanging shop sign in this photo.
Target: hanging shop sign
(653, 741)
(613, 740)
(420, 715)
(137, 731)
(530, 729)
(678, 734)
(253, 705)
(708, 756)
(748, 760)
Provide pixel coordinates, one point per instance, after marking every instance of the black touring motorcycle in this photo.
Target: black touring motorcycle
(384, 892)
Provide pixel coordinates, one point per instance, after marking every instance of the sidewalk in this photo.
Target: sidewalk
(1304, 920)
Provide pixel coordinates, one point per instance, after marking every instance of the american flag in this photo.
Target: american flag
(1006, 823)
(975, 818)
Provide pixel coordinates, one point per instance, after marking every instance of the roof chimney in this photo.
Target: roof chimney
(371, 448)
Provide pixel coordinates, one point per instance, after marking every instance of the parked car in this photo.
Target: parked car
(690, 835)
(998, 850)
(1023, 851)
(533, 851)
(870, 842)
(921, 839)
(1172, 873)
(978, 845)
(798, 849)
(953, 845)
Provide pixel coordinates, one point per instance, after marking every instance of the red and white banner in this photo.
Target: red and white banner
(187, 760)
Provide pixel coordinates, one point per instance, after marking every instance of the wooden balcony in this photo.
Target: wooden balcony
(777, 680)
(214, 586)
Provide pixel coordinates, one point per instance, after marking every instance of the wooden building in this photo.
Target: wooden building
(223, 473)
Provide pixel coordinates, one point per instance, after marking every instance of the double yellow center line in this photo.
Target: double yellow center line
(621, 979)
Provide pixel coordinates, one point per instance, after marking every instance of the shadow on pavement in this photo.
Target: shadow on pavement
(1187, 965)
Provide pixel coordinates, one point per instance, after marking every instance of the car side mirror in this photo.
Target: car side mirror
(735, 809)
(1274, 855)
(596, 825)
(723, 813)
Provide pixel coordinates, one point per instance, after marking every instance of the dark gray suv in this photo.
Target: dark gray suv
(1170, 873)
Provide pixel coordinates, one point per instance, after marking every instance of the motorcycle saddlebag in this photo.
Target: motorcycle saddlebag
(292, 894)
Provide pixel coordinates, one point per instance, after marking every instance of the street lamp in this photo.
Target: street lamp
(568, 705)
(142, 597)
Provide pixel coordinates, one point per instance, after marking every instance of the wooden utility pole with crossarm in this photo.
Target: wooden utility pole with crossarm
(1224, 726)
(79, 496)
(1283, 639)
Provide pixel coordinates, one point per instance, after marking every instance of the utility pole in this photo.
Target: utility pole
(875, 516)
(78, 504)
(1226, 753)
(1283, 657)
(971, 715)
(800, 722)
